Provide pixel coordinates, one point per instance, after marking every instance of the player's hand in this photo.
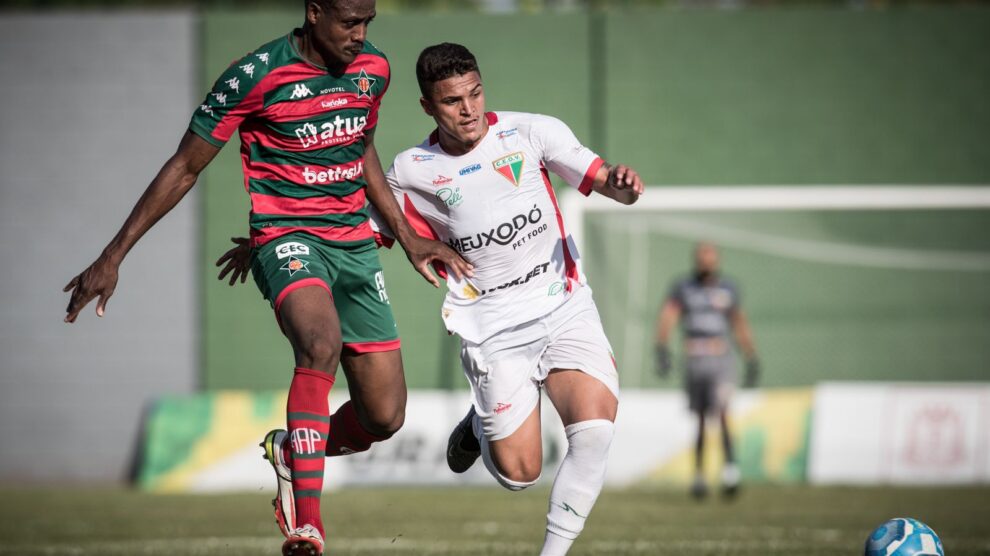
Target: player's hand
(99, 280)
(422, 252)
(663, 360)
(752, 372)
(238, 260)
(622, 178)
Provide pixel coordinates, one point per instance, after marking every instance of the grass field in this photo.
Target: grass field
(764, 520)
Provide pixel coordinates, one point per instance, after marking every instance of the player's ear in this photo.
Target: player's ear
(313, 12)
(426, 106)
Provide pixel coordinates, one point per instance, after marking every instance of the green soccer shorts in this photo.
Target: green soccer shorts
(352, 274)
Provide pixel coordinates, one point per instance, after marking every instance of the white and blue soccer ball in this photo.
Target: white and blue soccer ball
(904, 536)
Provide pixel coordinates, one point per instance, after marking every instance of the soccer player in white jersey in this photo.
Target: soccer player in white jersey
(526, 319)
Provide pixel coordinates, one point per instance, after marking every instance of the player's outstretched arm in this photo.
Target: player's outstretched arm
(421, 251)
(744, 338)
(173, 181)
(618, 182)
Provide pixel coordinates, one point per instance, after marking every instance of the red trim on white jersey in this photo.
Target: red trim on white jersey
(422, 228)
(589, 177)
(570, 267)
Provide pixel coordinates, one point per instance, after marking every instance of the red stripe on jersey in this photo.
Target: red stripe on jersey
(589, 177)
(324, 204)
(375, 66)
(255, 99)
(314, 106)
(304, 175)
(328, 233)
(570, 267)
(422, 228)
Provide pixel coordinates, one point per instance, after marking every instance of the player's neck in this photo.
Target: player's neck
(456, 147)
(304, 46)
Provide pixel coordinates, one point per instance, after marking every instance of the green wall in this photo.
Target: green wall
(769, 96)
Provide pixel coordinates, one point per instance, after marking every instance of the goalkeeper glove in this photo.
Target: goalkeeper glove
(752, 372)
(664, 364)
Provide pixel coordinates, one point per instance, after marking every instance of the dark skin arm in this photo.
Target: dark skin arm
(173, 181)
(420, 251)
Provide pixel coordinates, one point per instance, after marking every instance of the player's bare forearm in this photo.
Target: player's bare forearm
(173, 181)
(744, 334)
(618, 182)
(176, 177)
(380, 195)
(669, 315)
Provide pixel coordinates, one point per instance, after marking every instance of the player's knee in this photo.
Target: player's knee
(316, 350)
(386, 422)
(520, 473)
(591, 438)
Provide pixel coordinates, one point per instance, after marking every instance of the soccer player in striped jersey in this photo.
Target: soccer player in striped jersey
(527, 322)
(306, 107)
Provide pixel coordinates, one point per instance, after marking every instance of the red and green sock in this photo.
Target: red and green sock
(309, 426)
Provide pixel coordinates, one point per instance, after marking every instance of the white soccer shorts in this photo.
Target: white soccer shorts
(506, 371)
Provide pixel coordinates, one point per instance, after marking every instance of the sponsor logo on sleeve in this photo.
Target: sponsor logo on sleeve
(363, 83)
(469, 169)
(507, 133)
(510, 167)
(234, 84)
(263, 56)
(221, 98)
(423, 157)
(290, 249)
(248, 69)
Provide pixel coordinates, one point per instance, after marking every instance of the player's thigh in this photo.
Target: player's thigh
(295, 279)
(366, 319)
(377, 385)
(519, 456)
(578, 396)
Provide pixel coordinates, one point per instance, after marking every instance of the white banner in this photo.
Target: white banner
(914, 434)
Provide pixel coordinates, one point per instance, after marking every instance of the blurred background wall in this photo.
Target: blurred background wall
(96, 101)
(92, 106)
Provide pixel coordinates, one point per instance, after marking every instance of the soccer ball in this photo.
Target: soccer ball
(903, 536)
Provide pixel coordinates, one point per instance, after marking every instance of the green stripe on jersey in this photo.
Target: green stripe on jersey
(324, 157)
(314, 221)
(278, 188)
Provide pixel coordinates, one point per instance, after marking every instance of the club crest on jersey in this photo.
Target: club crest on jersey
(294, 265)
(510, 167)
(363, 83)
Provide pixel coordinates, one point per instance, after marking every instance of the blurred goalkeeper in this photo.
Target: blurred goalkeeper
(707, 305)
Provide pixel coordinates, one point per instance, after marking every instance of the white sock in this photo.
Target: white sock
(486, 456)
(578, 483)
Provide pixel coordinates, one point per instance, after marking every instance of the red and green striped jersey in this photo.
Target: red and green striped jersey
(302, 138)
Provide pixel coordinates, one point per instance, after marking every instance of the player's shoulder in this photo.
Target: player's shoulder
(416, 157)
(254, 66)
(729, 283)
(527, 120)
(370, 48)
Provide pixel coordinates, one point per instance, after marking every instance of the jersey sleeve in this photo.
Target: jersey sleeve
(377, 101)
(233, 98)
(564, 155)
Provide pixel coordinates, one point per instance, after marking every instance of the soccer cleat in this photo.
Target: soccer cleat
(284, 501)
(462, 446)
(699, 489)
(303, 541)
(730, 480)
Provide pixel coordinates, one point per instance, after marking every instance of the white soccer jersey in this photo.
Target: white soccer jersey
(495, 206)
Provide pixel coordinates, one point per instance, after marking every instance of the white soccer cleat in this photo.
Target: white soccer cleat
(730, 480)
(303, 541)
(285, 501)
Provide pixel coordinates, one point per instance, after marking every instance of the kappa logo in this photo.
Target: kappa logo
(510, 166)
(263, 57)
(300, 91)
(248, 69)
(206, 108)
(294, 265)
(292, 248)
(442, 180)
(364, 83)
(423, 157)
(469, 169)
(234, 84)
